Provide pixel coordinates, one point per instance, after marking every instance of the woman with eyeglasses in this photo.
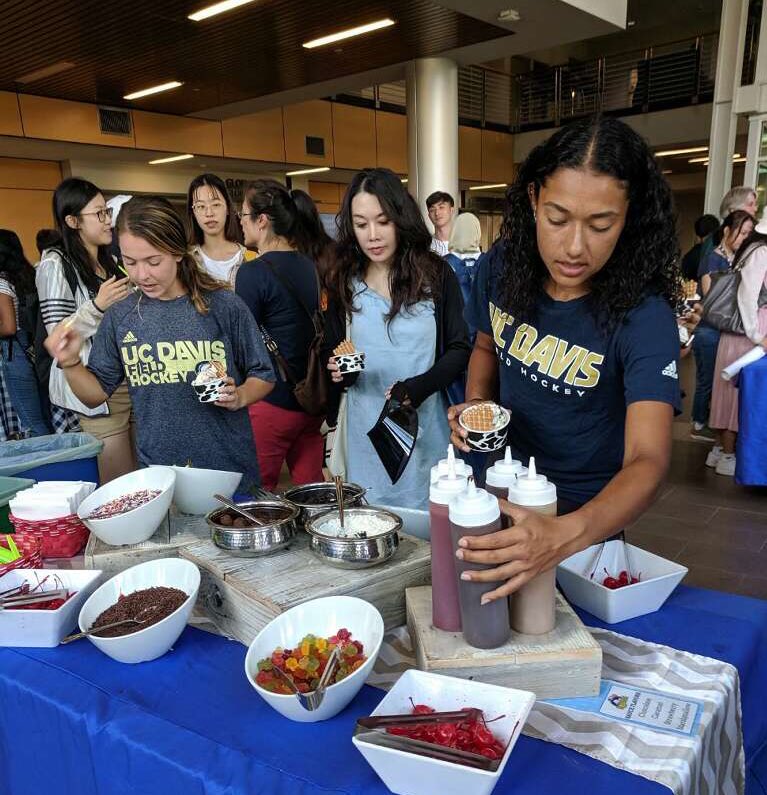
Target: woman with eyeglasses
(77, 282)
(281, 289)
(215, 230)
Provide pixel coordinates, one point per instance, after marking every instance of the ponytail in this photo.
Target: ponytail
(272, 199)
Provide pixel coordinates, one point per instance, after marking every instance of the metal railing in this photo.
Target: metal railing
(665, 76)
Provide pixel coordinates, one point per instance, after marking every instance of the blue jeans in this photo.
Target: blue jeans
(704, 347)
(22, 386)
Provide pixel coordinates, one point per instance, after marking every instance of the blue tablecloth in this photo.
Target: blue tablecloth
(751, 459)
(73, 722)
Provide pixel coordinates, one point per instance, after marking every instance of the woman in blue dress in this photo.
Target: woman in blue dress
(401, 305)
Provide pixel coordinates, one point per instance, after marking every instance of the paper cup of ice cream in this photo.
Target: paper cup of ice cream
(487, 424)
(209, 380)
(348, 359)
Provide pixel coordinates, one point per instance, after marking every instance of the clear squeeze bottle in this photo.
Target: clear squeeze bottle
(533, 606)
(475, 512)
(503, 474)
(441, 467)
(446, 612)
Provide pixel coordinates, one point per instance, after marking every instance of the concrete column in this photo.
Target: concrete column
(723, 118)
(432, 128)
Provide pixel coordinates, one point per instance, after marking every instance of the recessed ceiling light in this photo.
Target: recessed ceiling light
(348, 34)
(145, 92)
(509, 15)
(404, 181)
(307, 171)
(217, 8)
(690, 150)
(737, 157)
(488, 187)
(171, 159)
(46, 71)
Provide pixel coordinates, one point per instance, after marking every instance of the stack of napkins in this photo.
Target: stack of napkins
(50, 499)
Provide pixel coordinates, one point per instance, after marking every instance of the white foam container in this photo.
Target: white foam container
(405, 773)
(45, 628)
(659, 577)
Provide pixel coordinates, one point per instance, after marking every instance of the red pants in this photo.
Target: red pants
(282, 435)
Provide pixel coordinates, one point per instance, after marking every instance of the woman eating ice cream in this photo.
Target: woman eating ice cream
(181, 324)
(577, 338)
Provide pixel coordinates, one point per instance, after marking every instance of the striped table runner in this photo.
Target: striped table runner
(710, 761)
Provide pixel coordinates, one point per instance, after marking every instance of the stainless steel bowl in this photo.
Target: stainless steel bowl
(316, 498)
(279, 529)
(354, 553)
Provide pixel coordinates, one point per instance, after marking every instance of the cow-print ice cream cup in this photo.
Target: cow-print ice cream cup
(210, 392)
(487, 424)
(350, 362)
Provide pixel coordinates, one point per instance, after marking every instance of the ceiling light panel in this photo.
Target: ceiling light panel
(349, 33)
(145, 92)
(217, 8)
(171, 159)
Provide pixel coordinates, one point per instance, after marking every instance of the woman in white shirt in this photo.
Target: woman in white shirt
(215, 230)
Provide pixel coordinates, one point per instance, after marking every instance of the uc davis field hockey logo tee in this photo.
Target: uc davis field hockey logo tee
(156, 346)
(568, 385)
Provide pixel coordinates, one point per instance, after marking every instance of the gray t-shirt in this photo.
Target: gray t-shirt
(156, 347)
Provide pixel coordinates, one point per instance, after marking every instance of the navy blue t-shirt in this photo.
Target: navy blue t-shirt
(567, 384)
(276, 310)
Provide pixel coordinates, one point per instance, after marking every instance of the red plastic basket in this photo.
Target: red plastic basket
(33, 561)
(56, 538)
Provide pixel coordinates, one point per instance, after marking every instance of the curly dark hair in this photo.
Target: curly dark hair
(645, 258)
(416, 271)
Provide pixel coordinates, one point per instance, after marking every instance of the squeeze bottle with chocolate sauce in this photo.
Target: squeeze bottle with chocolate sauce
(503, 474)
(533, 606)
(475, 512)
(441, 467)
(445, 610)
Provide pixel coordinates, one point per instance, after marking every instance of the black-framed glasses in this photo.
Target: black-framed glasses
(242, 214)
(104, 214)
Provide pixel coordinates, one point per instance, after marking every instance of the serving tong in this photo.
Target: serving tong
(311, 701)
(31, 598)
(372, 729)
(233, 506)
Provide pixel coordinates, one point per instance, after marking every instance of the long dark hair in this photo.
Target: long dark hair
(311, 238)
(415, 272)
(272, 199)
(14, 266)
(645, 258)
(232, 229)
(70, 198)
(734, 222)
(152, 218)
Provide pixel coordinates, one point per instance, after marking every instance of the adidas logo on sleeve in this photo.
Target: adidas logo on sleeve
(671, 371)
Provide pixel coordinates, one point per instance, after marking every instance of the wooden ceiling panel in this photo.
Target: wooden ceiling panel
(253, 51)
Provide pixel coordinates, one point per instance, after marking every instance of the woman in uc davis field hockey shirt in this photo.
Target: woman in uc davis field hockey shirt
(158, 339)
(577, 337)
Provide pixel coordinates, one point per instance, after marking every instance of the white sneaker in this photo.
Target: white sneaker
(712, 459)
(726, 465)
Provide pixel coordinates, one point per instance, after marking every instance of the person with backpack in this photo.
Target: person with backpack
(282, 290)
(78, 282)
(750, 269)
(21, 411)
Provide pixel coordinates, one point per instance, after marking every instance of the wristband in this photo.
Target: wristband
(98, 308)
(68, 366)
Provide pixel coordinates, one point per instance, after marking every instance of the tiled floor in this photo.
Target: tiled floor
(708, 523)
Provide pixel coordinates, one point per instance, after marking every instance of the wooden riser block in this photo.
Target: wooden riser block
(565, 663)
(165, 543)
(242, 595)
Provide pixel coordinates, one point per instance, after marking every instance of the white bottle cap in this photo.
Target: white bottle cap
(446, 487)
(474, 507)
(532, 489)
(502, 474)
(441, 468)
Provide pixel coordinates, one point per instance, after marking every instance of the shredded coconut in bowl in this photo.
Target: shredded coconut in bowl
(357, 526)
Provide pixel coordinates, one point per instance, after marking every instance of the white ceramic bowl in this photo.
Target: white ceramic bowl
(137, 525)
(658, 579)
(321, 617)
(195, 488)
(45, 628)
(411, 774)
(153, 641)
